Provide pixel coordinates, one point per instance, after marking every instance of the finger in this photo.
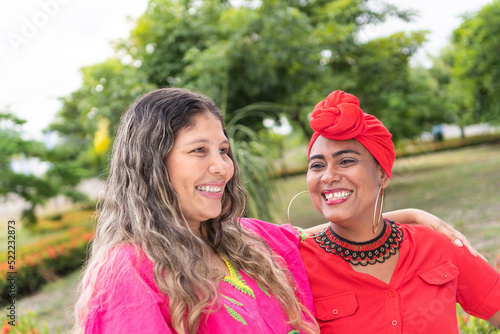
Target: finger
(469, 246)
(458, 238)
(482, 256)
(451, 233)
(458, 242)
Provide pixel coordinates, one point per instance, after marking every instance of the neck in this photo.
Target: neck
(195, 228)
(358, 232)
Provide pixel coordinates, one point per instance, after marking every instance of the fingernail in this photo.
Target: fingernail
(458, 242)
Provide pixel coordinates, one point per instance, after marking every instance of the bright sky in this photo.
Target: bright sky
(44, 43)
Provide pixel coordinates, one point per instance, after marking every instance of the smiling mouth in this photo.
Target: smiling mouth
(337, 195)
(210, 189)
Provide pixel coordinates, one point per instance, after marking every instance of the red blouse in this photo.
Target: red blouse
(431, 276)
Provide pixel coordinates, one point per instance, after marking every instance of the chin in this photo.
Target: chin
(214, 215)
(332, 217)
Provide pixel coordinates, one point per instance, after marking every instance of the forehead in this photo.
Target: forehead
(324, 146)
(204, 125)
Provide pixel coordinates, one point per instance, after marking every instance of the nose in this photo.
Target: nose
(218, 165)
(331, 175)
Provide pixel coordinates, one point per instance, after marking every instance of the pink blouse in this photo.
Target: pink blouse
(132, 303)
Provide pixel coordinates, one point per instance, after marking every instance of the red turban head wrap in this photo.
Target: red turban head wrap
(339, 117)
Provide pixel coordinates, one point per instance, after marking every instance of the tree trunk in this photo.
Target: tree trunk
(462, 131)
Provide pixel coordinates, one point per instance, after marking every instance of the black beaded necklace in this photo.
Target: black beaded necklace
(363, 253)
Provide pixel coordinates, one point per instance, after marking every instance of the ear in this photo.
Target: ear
(384, 179)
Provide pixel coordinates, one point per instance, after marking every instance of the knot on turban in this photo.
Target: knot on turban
(339, 117)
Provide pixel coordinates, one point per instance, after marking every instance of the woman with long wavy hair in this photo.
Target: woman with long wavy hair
(171, 253)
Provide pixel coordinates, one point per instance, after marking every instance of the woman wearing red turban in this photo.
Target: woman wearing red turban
(369, 274)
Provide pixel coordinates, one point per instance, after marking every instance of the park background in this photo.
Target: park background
(266, 63)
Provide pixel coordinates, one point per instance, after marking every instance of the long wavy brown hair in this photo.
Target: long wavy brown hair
(140, 208)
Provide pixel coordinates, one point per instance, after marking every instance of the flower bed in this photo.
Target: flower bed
(43, 261)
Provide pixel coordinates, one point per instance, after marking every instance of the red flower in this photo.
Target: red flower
(5, 329)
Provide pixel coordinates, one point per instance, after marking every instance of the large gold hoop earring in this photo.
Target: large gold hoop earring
(290, 204)
(380, 194)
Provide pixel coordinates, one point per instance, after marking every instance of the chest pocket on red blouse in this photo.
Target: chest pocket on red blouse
(336, 306)
(439, 274)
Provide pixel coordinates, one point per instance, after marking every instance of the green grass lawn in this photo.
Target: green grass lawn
(54, 303)
(460, 186)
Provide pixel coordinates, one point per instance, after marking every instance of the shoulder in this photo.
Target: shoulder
(284, 240)
(129, 256)
(431, 245)
(126, 265)
(125, 287)
(421, 232)
(275, 235)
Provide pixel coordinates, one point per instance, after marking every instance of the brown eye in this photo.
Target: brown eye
(347, 162)
(199, 150)
(316, 165)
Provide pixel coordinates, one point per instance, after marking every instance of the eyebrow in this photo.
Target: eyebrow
(336, 154)
(205, 141)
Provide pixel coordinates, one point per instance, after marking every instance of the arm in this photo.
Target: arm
(416, 216)
(495, 320)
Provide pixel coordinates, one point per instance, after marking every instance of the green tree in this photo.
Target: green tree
(455, 102)
(388, 88)
(33, 189)
(476, 64)
(288, 53)
(88, 117)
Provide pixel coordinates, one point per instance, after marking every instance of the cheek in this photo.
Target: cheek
(175, 184)
(175, 176)
(312, 181)
(230, 170)
(308, 183)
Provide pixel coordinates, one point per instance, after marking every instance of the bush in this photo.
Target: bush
(412, 148)
(471, 325)
(64, 221)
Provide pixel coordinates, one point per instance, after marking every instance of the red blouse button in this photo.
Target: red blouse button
(392, 294)
(445, 276)
(335, 311)
(394, 322)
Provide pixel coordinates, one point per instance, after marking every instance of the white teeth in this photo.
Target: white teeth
(210, 189)
(338, 195)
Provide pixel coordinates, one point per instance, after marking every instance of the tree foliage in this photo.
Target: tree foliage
(88, 117)
(33, 189)
(476, 67)
(289, 53)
